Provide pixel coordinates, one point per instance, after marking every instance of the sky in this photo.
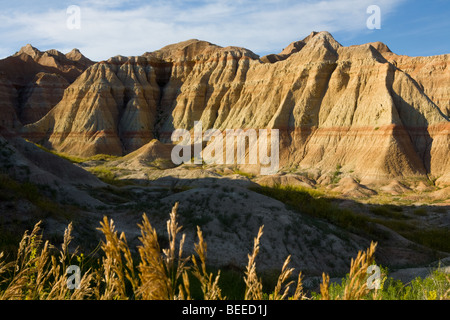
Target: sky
(101, 29)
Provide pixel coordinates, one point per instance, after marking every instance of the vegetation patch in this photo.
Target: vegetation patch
(314, 203)
(336, 177)
(13, 190)
(75, 159)
(243, 173)
(388, 211)
(39, 271)
(109, 175)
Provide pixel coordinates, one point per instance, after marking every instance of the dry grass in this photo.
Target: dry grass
(37, 275)
(39, 270)
(159, 274)
(254, 287)
(210, 288)
(325, 287)
(355, 286)
(253, 284)
(447, 293)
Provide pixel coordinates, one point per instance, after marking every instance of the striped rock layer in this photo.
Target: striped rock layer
(33, 82)
(361, 108)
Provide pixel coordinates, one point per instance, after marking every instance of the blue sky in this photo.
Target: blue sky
(132, 27)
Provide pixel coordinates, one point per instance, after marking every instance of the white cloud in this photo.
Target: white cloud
(131, 27)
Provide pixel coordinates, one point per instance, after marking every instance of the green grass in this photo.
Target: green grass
(13, 190)
(315, 204)
(336, 174)
(435, 238)
(75, 159)
(420, 212)
(244, 174)
(433, 287)
(108, 175)
(388, 211)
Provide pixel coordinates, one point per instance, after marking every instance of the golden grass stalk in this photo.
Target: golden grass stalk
(175, 265)
(37, 275)
(299, 293)
(184, 289)
(113, 264)
(20, 286)
(253, 289)
(59, 289)
(356, 286)
(64, 252)
(4, 267)
(324, 287)
(58, 286)
(160, 273)
(210, 287)
(129, 263)
(152, 273)
(284, 276)
(42, 272)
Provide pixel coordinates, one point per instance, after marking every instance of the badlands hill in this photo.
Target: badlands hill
(33, 82)
(353, 121)
(362, 108)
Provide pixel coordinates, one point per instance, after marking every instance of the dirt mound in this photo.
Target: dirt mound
(285, 180)
(422, 187)
(350, 188)
(395, 188)
(154, 152)
(441, 194)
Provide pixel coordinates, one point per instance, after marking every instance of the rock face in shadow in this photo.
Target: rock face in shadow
(432, 75)
(25, 162)
(38, 80)
(8, 108)
(44, 92)
(361, 108)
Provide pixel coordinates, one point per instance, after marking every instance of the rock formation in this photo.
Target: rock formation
(432, 75)
(8, 109)
(41, 95)
(363, 108)
(38, 80)
(25, 162)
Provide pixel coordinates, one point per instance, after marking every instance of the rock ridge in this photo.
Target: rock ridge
(361, 107)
